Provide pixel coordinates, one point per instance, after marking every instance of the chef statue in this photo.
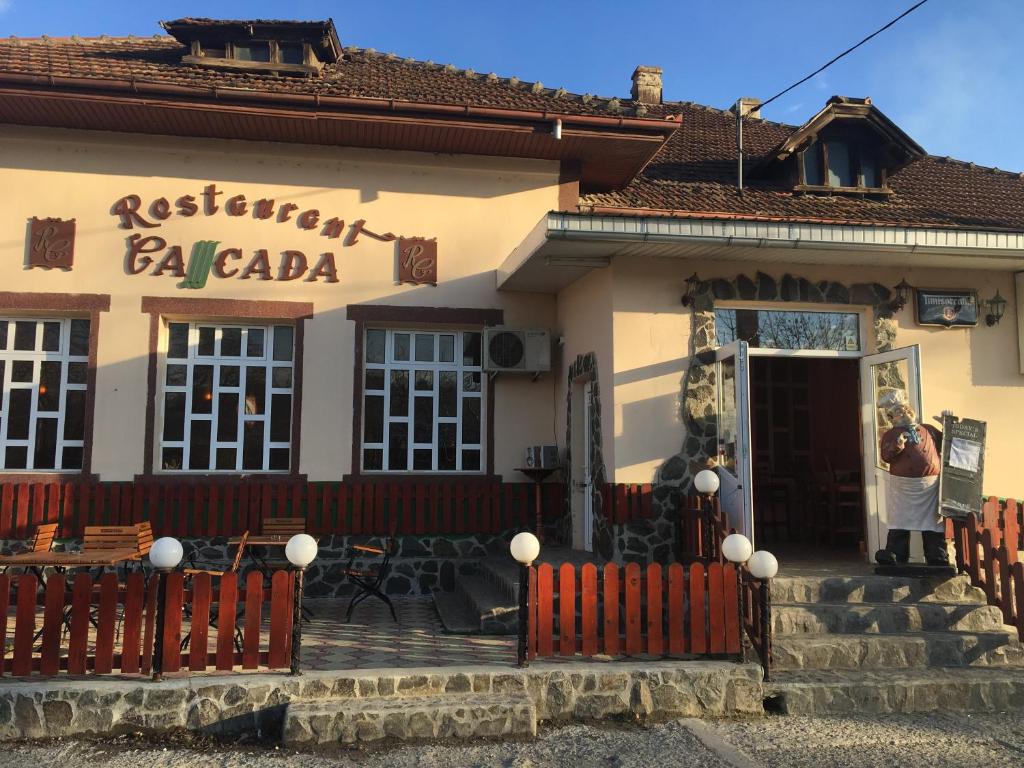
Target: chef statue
(913, 452)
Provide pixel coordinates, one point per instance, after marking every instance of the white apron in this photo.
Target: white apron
(912, 503)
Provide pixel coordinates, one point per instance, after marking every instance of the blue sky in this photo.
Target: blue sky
(949, 74)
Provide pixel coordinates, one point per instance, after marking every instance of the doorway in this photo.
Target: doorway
(806, 454)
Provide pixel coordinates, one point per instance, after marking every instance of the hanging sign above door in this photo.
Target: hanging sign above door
(947, 308)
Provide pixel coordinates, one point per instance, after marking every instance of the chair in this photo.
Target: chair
(369, 580)
(194, 571)
(283, 526)
(41, 542)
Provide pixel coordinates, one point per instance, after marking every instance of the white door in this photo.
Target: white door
(899, 369)
(588, 471)
(735, 471)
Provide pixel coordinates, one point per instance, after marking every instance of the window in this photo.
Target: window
(252, 51)
(44, 364)
(422, 401)
(790, 329)
(227, 398)
(840, 164)
(262, 51)
(291, 53)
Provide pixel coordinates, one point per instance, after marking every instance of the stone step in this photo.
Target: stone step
(874, 589)
(498, 614)
(457, 617)
(904, 651)
(465, 715)
(504, 574)
(972, 689)
(855, 618)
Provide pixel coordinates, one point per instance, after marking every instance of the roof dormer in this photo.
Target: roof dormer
(286, 47)
(848, 147)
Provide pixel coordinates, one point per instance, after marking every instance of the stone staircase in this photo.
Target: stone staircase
(486, 603)
(880, 644)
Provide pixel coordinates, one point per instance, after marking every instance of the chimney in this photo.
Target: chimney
(747, 106)
(647, 85)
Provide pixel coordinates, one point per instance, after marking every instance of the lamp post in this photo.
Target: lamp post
(706, 482)
(164, 555)
(763, 565)
(300, 550)
(738, 549)
(525, 548)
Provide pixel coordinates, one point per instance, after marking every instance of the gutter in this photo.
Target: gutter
(663, 127)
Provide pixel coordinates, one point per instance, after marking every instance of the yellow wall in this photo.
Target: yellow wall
(971, 371)
(479, 210)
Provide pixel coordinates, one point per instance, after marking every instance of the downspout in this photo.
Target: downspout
(739, 147)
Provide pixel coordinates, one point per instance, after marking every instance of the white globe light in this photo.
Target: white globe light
(737, 548)
(166, 552)
(763, 565)
(524, 547)
(706, 481)
(301, 550)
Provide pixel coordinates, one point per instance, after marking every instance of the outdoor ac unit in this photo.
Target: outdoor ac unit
(517, 350)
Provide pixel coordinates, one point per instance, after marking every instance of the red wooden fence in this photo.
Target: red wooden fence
(215, 508)
(634, 610)
(627, 502)
(79, 626)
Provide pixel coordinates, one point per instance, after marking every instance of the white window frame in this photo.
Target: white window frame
(863, 327)
(37, 356)
(218, 361)
(412, 365)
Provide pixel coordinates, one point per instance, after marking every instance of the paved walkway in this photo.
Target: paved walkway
(373, 639)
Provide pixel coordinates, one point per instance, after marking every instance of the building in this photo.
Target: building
(241, 249)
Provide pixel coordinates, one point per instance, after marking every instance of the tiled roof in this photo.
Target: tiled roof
(695, 172)
(361, 73)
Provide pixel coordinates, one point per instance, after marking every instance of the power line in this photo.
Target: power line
(907, 12)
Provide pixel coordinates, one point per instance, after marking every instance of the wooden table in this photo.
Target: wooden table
(538, 475)
(262, 566)
(92, 559)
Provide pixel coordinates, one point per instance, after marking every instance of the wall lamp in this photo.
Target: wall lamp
(902, 289)
(691, 290)
(996, 308)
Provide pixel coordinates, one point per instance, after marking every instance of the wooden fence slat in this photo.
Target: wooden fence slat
(1018, 596)
(655, 637)
(588, 608)
(81, 607)
(280, 610)
(716, 609)
(7, 511)
(972, 552)
(545, 619)
(730, 583)
(53, 621)
(634, 644)
(214, 510)
(24, 625)
(199, 625)
(1011, 529)
(5, 604)
(21, 513)
(989, 563)
(105, 620)
(567, 610)
(611, 609)
(131, 635)
(227, 610)
(620, 515)
(676, 598)
(175, 597)
(1005, 589)
(698, 626)
(251, 633)
(38, 505)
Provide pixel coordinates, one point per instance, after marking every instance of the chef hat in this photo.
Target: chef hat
(892, 399)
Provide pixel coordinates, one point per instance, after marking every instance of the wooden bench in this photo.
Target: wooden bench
(283, 526)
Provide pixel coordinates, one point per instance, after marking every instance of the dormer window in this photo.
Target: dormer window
(278, 47)
(839, 164)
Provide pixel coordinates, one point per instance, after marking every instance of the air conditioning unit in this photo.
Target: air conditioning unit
(517, 350)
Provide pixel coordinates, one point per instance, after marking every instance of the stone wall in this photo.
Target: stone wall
(423, 563)
(698, 410)
(644, 541)
(257, 704)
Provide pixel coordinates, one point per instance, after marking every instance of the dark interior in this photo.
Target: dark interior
(806, 452)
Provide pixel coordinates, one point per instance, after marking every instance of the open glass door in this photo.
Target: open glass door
(588, 470)
(732, 374)
(899, 369)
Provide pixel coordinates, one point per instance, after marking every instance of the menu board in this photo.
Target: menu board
(963, 467)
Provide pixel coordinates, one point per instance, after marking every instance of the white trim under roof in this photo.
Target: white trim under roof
(565, 246)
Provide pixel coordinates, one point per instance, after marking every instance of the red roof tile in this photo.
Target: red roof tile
(695, 172)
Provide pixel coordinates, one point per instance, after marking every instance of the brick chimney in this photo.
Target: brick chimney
(747, 106)
(647, 85)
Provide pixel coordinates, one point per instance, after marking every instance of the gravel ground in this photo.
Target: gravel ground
(925, 741)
